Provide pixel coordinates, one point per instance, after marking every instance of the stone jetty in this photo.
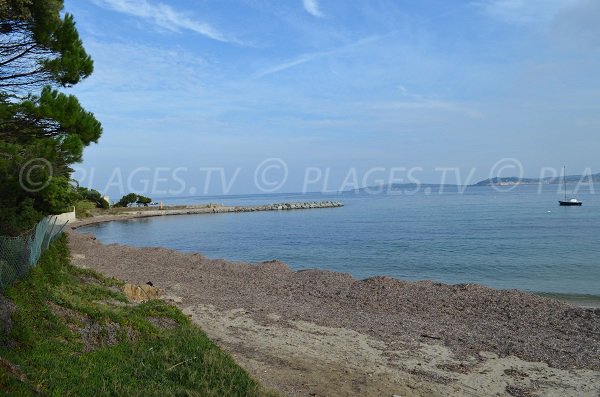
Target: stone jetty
(287, 206)
(132, 213)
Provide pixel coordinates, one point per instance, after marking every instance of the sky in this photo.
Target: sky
(250, 96)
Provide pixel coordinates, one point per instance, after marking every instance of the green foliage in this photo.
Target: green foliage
(143, 200)
(88, 199)
(93, 196)
(103, 204)
(20, 209)
(18, 217)
(133, 198)
(126, 200)
(39, 46)
(41, 135)
(83, 209)
(52, 124)
(56, 301)
(74, 63)
(29, 188)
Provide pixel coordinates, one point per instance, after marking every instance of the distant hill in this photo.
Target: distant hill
(593, 178)
(508, 181)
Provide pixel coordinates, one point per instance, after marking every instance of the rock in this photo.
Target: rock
(142, 293)
(488, 355)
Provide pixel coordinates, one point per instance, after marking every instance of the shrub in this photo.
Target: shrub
(83, 209)
(142, 200)
(127, 200)
(133, 198)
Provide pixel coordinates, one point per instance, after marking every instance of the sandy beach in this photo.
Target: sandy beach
(319, 333)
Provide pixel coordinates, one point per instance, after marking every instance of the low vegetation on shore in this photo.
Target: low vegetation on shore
(73, 333)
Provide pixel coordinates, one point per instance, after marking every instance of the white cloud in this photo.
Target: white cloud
(523, 12)
(128, 67)
(312, 7)
(317, 55)
(163, 16)
(289, 64)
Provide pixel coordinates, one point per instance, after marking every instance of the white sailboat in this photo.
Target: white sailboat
(570, 202)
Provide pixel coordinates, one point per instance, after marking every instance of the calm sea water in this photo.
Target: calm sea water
(519, 239)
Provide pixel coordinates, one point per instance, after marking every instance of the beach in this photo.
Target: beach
(320, 333)
(303, 198)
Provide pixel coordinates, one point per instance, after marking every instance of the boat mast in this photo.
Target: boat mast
(565, 180)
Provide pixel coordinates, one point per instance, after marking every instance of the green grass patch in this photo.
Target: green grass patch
(75, 334)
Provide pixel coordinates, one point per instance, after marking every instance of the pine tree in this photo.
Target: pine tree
(42, 131)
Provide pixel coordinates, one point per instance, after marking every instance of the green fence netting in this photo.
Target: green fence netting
(19, 254)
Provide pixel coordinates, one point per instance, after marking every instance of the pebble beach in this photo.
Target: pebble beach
(323, 333)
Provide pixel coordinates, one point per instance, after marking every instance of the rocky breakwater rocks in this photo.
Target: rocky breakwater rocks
(206, 209)
(292, 206)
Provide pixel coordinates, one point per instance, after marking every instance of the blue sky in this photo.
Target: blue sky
(337, 84)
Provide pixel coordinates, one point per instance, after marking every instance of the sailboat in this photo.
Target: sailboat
(570, 202)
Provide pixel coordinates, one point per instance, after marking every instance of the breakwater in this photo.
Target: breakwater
(133, 213)
(289, 206)
(217, 208)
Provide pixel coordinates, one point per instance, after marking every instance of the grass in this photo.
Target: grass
(75, 334)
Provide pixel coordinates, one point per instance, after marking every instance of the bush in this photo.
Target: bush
(83, 209)
(15, 218)
(142, 200)
(93, 196)
(133, 198)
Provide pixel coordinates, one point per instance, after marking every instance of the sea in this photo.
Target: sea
(513, 237)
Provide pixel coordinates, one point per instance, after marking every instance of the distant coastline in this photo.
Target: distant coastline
(589, 179)
(498, 181)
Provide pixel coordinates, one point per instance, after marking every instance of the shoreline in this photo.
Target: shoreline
(585, 301)
(326, 333)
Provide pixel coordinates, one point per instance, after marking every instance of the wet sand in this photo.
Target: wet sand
(319, 333)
